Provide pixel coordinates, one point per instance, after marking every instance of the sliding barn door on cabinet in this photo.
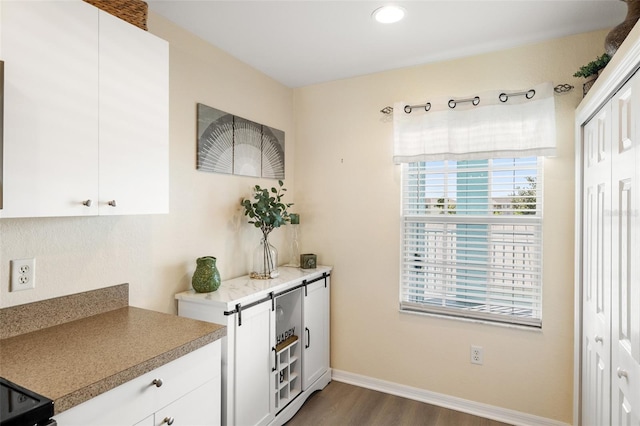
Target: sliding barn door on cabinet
(316, 332)
(610, 265)
(254, 364)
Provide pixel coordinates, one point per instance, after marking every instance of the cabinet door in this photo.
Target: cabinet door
(134, 119)
(315, 361)
(199, 407)
(254, 363)
(50, 51)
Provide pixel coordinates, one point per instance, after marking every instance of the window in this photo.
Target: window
(472, 239)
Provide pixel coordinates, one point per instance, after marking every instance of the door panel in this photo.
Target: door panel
(254, 399)
(596, 372)
(134, 119)
(50, 51)
(316, 332)
(625, 355)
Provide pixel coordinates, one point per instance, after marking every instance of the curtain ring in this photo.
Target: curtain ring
(452, 103)
(427, 106)
(407, 109)
(475, 101)
(530, 94)
(503, 97)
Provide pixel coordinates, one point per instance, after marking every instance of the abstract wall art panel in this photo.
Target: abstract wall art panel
(234, 145)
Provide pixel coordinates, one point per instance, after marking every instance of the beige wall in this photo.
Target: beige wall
(349, 191)
(156, 254)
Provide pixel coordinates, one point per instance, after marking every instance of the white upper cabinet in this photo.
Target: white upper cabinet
(134, 119)
(50, 54)
(86, 112)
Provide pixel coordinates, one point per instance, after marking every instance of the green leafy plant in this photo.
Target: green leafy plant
(267, 211)
(593, 67)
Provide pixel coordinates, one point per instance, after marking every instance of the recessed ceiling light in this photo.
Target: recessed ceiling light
(388, 14)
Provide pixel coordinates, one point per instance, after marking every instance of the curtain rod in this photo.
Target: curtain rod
(503, 97)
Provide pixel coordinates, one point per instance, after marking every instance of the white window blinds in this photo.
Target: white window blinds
(472, 239)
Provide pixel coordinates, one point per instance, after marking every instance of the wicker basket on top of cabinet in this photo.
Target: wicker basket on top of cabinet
(132, 11)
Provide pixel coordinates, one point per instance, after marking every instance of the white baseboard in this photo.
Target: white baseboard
(476, 408)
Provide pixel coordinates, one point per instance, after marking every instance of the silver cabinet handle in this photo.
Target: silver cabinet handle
(112, 203)
(622, 373)
(169, 420)
(157, 382)
(598, 339)
(86, 203)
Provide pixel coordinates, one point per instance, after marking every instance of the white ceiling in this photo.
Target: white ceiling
(302, 42)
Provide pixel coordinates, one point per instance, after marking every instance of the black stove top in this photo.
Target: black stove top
(22, 407)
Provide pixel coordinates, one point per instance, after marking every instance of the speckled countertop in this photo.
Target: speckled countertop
(80, 359)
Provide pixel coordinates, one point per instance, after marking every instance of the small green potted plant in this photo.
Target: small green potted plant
(591, 71)
(266, 211)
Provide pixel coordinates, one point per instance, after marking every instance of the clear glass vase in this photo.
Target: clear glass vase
(265, 261)
(294, 240)
(294, 248)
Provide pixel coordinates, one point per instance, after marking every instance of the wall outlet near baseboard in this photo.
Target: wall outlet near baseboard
(477, 355)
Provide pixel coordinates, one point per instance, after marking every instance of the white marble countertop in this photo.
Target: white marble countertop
(245, 290)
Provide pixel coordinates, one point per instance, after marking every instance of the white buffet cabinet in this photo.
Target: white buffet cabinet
(276, 352)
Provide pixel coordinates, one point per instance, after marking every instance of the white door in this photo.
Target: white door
(596, 254)
(50, 51)
(315, 360)
(254, 366)
(625, 355)
(134, 119)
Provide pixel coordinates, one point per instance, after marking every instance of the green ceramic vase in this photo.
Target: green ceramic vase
(206, 278)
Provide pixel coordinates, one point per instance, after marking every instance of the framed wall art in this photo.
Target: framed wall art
(234, 145)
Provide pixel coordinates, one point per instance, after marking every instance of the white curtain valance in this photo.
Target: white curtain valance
(519, 127)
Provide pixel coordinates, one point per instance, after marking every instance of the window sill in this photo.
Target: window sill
(473, 320)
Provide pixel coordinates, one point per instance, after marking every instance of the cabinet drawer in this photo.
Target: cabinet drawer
(200, 407)
(131, 402)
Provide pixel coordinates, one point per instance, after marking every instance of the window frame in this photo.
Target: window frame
(531, 222)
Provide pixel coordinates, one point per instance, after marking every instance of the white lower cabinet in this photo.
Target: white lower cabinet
(199, 407)
(146, 422)
(276, 352)
(185, 392)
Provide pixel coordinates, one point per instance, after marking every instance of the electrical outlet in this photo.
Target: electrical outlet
(477, 355)
(23, 274)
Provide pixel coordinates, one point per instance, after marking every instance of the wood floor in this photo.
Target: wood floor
(340, 404)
